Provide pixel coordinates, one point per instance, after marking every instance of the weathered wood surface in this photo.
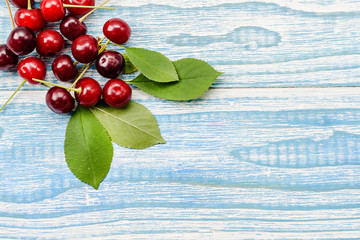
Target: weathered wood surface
(247, 160)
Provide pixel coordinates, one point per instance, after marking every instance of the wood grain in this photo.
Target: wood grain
(270, 152)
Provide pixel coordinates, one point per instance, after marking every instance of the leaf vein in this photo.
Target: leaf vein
(158, 69)
(87, 148)
(128, 123)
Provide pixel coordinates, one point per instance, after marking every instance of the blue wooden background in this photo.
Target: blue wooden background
(272, 151)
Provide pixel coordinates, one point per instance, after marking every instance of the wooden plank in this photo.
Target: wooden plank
(254, 44)
(276, 164)
(243, 162)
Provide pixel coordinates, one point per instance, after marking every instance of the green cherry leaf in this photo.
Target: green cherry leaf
(154, 65)
(88, 148)
(133, 126)
(195, 76)
(129, 66)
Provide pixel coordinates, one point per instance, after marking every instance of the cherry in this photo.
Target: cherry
(30, 18)
(64, 69)
(32, 67)
(72, 28)
(85, 49)
(110, 64)
(79, 11)
(90, 92)
(52, 10)
(59, 100)
(117, 30)
(48, 42)
(21, 41)
(21, 3)
(117, 93)
(8, 59)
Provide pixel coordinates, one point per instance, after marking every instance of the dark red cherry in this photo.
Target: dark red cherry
(64, 69)
(32, 67)
(110, 64)
(117, 30)
(79, 11)
(48, 42)
(90, 92)
(21, 41)
(117, 93)
(30, 18)
(72, 28)
(52, 10)
(59, 100)
(8, 59)
(20, 3)
(85, 49)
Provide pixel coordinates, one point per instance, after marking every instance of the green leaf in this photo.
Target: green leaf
(195, 76)
(129, 66)
(133, 126)
(88, 148)
(154, 65)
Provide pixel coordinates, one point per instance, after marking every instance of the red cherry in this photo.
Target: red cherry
(72, 28)
(59, 100)
(52, 10)
(32, 67)
(79, 11)
(90, 92)
(48, 42)
(30, 18)
(21, 3)
(8, 59)
(110, 64)
(64, 69)
(21, 41)
(117, 93)
(85, 49)
(117, 30)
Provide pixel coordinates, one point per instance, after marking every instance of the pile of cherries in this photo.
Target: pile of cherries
(86, 49)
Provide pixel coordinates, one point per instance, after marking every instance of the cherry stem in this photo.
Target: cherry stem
(104, 46)
(22, 84)
(29, 5)
(82, 68)
(11, 16)
(116, 45)
(87, 66)
(57, 85)
(80, 6)
(86, 15)
(81, 75)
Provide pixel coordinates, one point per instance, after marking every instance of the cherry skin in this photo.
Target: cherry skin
(85, 49)
(52, 10)
(79, 11)
(59, 100)
(117, 30)
(8, 59)
(32, 67)
(72, 28)
(48, 42)
(90, 92)
(21, 3)
(30, 18)
(117, 93)
(110, 64)
(21, 41)
(64, 69)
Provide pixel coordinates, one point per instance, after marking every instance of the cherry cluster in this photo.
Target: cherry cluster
(85, 49)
